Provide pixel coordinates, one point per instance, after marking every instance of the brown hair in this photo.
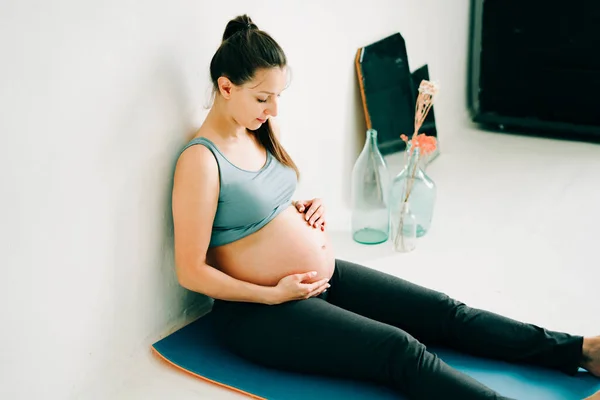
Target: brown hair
(243, 50)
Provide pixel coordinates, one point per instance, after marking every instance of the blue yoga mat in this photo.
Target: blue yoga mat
(194, 349)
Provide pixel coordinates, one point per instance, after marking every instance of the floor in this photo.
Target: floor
(515, 231)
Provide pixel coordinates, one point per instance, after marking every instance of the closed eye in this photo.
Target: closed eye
(267, 99)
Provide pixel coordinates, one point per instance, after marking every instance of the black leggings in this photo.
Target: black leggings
(373, 326)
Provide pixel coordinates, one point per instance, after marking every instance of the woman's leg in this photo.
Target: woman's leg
(314, 336)
(434, 318)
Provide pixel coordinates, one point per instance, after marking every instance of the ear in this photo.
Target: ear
(225, 87)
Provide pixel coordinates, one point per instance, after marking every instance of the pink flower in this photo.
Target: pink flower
(425, 144)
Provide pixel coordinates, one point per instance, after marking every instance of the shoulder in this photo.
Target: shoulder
(196, 159)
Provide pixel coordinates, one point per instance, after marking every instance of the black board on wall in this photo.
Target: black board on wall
(389, 92)
(534, 67)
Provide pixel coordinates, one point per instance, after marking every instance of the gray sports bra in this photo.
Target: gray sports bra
(248, 200)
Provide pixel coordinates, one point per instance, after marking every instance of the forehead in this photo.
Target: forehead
(272, 80)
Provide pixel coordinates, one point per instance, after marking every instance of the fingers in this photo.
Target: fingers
(300, 205)
(307, 275)
(311, 210)
(320, 289)
(309, 290)
(316, 285)
(318, 218)
(314, 213)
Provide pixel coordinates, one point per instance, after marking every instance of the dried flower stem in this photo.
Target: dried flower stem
(427, 92)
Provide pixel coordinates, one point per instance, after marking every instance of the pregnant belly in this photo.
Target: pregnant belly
(287, 245)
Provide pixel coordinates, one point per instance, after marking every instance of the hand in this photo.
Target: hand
(291, 287)
(314, 212)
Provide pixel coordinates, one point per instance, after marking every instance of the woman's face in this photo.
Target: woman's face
(254, 102)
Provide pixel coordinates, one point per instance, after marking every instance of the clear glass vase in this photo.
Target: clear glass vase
(413, 186)
(370, 194)
(403, 228)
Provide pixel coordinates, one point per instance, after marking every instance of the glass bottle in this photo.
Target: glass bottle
(403, 228)
(369, 194)
(421, 193)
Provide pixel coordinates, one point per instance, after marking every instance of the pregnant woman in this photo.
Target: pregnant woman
(282, 299)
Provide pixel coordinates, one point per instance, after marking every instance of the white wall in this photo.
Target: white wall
(95, 100)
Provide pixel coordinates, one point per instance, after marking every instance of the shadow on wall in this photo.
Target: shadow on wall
(156, 122)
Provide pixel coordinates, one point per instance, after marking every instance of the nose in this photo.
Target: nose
(272, 110)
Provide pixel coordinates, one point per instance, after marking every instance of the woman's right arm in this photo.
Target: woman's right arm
(195, 199)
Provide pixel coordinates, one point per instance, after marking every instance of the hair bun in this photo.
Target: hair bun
(239, 24)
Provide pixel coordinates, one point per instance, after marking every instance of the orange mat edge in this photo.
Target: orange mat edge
(160, 356)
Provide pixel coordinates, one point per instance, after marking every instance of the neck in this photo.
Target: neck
(221, 121)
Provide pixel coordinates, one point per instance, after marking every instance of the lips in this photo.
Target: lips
(262, 121)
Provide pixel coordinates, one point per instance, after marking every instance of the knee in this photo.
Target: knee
(450, 306)
(405, 356)
(409, 363)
